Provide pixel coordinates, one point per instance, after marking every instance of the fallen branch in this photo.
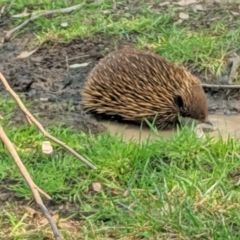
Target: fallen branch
(36, 15)
(34, 188)
(237, 86)
(40, 127)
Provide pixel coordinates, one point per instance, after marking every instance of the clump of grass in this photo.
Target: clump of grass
(177, 187)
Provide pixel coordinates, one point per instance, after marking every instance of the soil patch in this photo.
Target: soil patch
(53, 76)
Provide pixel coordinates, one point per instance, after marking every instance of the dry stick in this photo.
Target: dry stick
(36, 15)
(34, 188)
(40, 127)
(221, 85)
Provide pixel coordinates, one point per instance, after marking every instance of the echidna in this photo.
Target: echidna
(137, 84)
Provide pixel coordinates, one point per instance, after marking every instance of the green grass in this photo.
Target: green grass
(176, 188)
(190, 43)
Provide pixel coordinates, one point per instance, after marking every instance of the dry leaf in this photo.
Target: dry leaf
(186, 2)
(238, 182)
(106, 11)
(189, 34)
(2, 10)
(126, 193)
(44, 99)
(43, 221)
(26, 54)
(28, 149)
(179, 21)
(62, 223)
(47, 147)
(183, 15)
(31, 211)
(235, 13)
(21, 15)
(164, 4)
(77, 65)
(115, 192)
(5, 196)
(198, 7)
(68, 225)
(97, 187)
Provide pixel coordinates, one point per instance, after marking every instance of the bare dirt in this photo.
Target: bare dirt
(49, 79)
(52, 81)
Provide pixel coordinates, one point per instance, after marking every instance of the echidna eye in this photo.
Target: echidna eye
(178, 101)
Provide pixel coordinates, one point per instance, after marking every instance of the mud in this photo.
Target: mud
(52, 77)
(49, 79)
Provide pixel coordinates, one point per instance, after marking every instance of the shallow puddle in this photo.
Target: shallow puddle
(226, 126)
(132, 131)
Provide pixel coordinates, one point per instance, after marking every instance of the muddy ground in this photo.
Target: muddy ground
(51, 79)
(53, 76)
(47, 78)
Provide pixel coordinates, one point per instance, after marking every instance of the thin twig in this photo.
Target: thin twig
(221, 85)
(36, 15)
(34, 188)
(67, 64)
(40, 127)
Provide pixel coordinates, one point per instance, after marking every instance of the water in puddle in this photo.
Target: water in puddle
(226, 126)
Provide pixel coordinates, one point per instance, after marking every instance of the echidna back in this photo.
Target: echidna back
(137, 84)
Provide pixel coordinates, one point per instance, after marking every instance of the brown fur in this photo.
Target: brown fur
(137, 84)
